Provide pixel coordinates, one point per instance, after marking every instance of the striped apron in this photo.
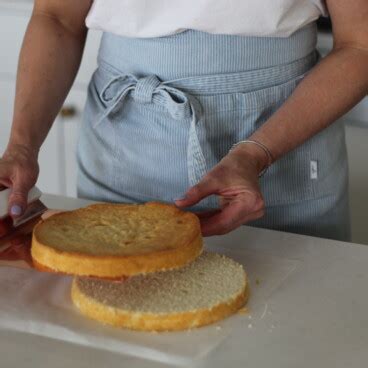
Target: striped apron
(163, 111)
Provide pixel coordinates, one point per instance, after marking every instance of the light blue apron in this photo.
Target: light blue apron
(163, 111)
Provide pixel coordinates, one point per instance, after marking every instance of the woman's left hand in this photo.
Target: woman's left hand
(235, 180)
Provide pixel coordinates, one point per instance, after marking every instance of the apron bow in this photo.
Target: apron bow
(180, 106)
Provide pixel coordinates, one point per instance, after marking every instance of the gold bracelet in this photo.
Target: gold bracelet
(265, 149)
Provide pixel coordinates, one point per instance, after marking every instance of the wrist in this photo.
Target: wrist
(22, 148)
(260, 157)
(23, 142)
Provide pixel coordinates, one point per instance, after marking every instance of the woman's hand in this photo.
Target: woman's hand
(235, 180)
(18, 171)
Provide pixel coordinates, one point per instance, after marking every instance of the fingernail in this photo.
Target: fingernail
(180, 198)
(15, 210)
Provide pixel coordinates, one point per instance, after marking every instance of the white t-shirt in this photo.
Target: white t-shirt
(154, 18)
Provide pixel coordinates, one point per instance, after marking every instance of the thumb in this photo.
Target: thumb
(19, 195)
(196, 193)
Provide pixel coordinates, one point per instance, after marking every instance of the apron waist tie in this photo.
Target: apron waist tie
(177, 96)
(180, 105)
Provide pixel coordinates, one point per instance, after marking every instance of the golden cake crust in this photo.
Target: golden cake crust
(146, 238)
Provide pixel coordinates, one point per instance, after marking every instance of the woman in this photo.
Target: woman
(193, 101)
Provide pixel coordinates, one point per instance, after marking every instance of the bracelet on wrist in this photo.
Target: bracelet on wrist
(263, 147)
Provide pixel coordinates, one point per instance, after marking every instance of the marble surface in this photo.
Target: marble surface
(312, 311)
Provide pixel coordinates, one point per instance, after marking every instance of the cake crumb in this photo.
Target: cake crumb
(250, 325)
(258, 281)
(218, 328)
(243, 310)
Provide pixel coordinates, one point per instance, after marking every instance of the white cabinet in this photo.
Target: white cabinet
(57, 156)
(69, 121)
(12, 28)
(13, 24)
(50, 175)
(49, 154)
(7, 88)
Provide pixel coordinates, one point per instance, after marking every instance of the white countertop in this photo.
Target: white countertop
(314, 313)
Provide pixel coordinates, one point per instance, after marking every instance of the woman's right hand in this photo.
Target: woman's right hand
(18, 171)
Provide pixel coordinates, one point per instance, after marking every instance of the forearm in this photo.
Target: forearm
(331, 89)
(48, 63)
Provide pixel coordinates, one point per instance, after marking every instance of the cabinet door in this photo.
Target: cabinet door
(70, 118)
(12, 28)
(7, 91)
(49, 179)
(13, 25)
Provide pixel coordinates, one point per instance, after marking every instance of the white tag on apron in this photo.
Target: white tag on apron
(314, 169)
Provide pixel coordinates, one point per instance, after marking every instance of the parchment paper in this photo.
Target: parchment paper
(39, 303)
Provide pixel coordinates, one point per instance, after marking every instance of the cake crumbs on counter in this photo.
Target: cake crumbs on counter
(243, 310)
(271, 328)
